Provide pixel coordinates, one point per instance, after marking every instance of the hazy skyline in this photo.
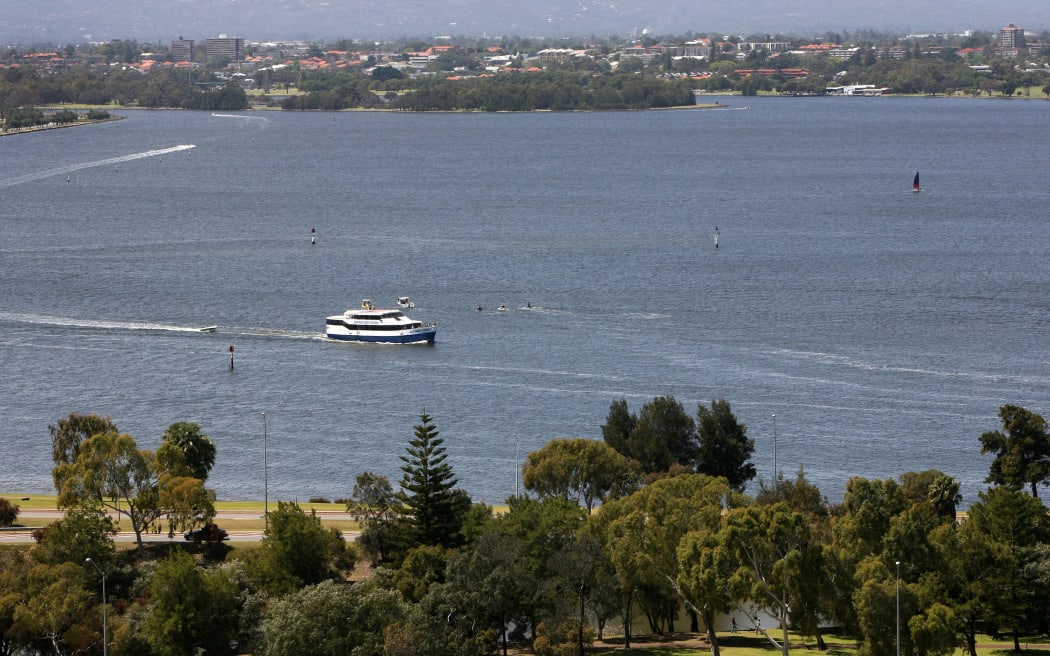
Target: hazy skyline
(66, 21)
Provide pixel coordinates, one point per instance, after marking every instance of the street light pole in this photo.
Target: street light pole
(105, 619)
(775, 452)
(266, 481)
(898, 608)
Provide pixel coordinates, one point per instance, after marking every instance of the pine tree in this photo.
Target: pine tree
(436, 509)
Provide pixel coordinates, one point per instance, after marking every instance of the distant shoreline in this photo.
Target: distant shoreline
(56, 126)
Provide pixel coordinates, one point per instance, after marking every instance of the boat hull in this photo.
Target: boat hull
(423, 336)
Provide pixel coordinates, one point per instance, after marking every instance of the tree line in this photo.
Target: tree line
(649, 527)
(456, 80)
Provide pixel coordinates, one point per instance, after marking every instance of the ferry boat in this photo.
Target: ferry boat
(372, 324)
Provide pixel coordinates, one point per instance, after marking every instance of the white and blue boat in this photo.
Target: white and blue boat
(371, 324)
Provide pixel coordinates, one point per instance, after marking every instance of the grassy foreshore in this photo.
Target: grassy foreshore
(4, 132)
(232, 515)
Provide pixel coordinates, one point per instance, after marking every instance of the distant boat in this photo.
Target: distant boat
(209, 329)
(405, 302)
(915, 185)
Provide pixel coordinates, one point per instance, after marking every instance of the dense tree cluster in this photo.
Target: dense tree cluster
(649, 529)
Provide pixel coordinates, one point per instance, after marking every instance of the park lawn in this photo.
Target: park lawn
(30, 501)
(49, 502)
(756, 645)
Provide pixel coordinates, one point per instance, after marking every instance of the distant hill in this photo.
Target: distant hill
(65, 21)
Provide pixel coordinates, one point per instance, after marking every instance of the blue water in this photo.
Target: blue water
(882, 328)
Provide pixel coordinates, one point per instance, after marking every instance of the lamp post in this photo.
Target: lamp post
(266, 482)
(775, 452)
(898, 608)
(105, 619)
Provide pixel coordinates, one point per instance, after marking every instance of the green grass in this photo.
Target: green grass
(30, 501)
(49, 502)
(749, 644)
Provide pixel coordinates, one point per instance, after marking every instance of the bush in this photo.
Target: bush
(560, 640)
(8, 512)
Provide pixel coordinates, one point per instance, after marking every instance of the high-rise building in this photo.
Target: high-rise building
(223, 47)
(182, 49)
(1011, 37)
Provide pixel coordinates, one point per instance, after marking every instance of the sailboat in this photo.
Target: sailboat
(915, 185)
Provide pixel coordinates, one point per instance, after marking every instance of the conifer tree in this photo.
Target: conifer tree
(436, 509)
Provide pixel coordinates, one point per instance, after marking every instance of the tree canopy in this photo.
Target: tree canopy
(436, 512)
(581, 469)
(725, 449)
(1021, 448)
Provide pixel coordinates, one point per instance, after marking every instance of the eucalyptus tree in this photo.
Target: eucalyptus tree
(799, 494)
(775, 559)
(68, 434)
(490, 583)
(642, 532)
(576, 569)
(580, 469)
(192, 610)
(297, 551)
(79, 535)
(110, 470)
(52, 612)
(540, 529)
(333, 618)
(857, 532)
(703, 580)
(377, 507)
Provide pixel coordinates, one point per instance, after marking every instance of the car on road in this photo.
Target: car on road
(207, 533)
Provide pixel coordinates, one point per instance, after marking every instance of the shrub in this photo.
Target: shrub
(8, 512)
(560, 640)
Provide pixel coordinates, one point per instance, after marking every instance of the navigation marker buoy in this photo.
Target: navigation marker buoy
(313, 235)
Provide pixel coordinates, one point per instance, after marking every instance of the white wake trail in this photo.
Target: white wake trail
(32, 177)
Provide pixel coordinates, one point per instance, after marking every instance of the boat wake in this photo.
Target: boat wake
(108, 324)
(273, 333)
(41, 175)
(100, 324)
(847, 362)
(241, 116)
